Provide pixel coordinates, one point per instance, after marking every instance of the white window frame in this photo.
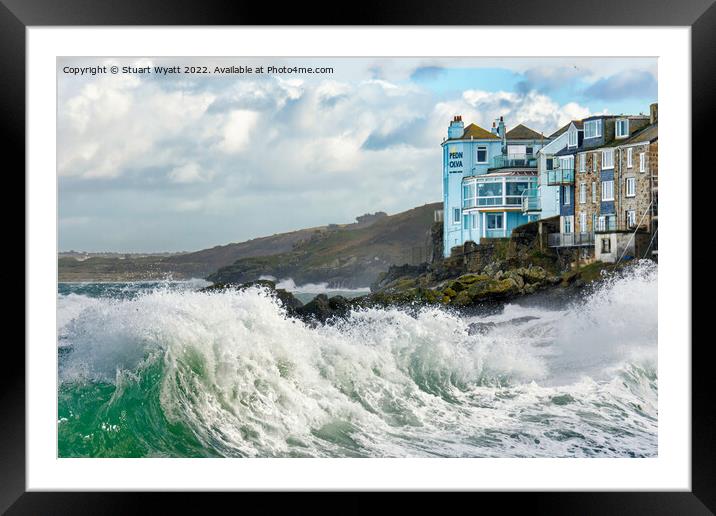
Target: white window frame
(630, 192)
(616, 127)
(594, 161)
(631, 218)
(567, 195)
(607, 163)
(594, 191)
(630, 157)
(456, 219)
(571, 144)
(597, 124)
(582, 193)
(582, 162)
(602, 224)
(477, 153)
(568, 225)
(642, 162)
(608, 193)
(502, 219)
(582, 222)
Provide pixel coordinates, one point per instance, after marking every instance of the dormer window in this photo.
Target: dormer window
(592, 129)
(572, 138)
(622, 128)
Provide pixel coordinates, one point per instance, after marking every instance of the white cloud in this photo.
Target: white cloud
(535, 110)
(189, 173)
(237, 129)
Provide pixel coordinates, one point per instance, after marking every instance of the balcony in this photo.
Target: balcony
(611, 226)
(531, 201)
(570, 239)
(514, 161)
(560, 176)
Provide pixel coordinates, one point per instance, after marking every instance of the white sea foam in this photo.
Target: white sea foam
(250, 381)
(312, 288)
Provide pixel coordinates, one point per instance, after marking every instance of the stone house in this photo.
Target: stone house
(625, 223)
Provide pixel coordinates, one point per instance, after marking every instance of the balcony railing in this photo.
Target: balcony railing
(560, 176)
(514, 161)
(611, 226)
(570, 239)
(531, 201)
(509, 201)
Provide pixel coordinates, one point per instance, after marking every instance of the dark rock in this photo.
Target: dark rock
(318, 309)
(480, 328)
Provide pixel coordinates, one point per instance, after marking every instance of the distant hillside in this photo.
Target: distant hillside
(343, 256)
(327, 253)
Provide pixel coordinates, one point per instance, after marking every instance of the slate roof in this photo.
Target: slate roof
(522, 132)
(647, 134)
(579, 124)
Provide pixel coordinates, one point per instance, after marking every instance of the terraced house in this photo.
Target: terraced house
(607, 209)
(628, 226)
(487, 177)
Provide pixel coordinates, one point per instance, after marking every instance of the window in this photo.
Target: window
(465, 222)
(582, 222)
(567, 195)
(456, 216)
(630, 157)
(494, 221)
(642, 162)
(631, 218)
(514, 191)
(594, 162)
(489, 193)
(473, 220)
(608, 158)
(592, 129)
(622, 128)
(582, 162)
(594, 191)
(550, 163)
(568, 224)
(606, 245)
(481, 154)
(607, 190)
(631, 187)
(602, 223)
(572, 138)
(529, 151)
(582, 193)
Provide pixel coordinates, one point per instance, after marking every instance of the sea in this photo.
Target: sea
(160, 369)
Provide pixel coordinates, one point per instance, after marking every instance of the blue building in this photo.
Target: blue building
(553, 164)
(488, 176)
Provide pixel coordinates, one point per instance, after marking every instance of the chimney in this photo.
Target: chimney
(501, 131)
(456, 128)
(653, 113)
(494, 129)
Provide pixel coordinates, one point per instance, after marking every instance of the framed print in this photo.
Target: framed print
(428, 256)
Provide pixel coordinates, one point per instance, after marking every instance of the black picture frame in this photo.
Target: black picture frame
(17, 15)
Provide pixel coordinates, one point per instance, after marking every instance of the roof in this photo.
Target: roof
(649, 133)
(579, 124)
(566, 151)
(522, 132)
(478, 133)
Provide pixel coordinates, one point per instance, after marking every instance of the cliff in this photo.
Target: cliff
(343, 257)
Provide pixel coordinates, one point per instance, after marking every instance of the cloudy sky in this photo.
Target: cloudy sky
(148, 162)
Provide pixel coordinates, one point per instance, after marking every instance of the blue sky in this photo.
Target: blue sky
(170, 163)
